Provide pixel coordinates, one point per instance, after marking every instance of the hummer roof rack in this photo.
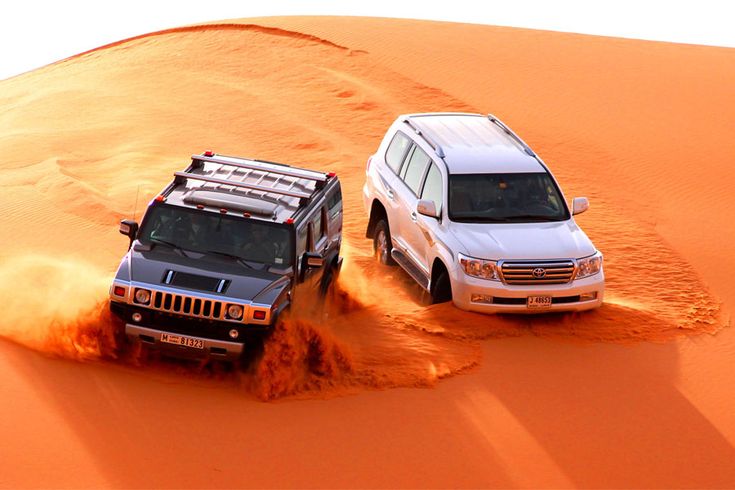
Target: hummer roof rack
(268, 190)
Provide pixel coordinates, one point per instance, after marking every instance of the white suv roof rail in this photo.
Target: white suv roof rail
(510, 133)
(437, 148)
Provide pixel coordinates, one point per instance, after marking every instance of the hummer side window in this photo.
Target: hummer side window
(318, 224)
(397, 151)
(335, 205)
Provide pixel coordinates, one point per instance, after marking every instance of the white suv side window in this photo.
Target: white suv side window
(415, 168)
(396, 151)
(433, 188)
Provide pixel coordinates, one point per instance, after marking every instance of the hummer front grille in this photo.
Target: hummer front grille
(188, 305)
(537, 272)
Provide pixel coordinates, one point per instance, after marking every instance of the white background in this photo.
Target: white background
(34, 33)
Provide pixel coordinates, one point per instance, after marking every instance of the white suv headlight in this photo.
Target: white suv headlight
(589, 266)
(484, 269)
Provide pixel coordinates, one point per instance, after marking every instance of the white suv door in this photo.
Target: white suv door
(430, 228)
(409, 233)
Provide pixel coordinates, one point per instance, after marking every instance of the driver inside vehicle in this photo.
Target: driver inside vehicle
(259, 245)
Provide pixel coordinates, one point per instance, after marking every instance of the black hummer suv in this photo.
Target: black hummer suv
(219, 253)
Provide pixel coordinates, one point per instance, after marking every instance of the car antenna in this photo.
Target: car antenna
(135, 206)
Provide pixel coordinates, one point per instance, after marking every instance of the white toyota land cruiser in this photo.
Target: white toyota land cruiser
(474, 216)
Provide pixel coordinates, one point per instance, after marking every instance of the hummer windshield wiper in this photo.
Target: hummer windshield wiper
(234, 257)
(170, 244)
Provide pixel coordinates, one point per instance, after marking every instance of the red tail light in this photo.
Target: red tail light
(118, 291)
(259, 314)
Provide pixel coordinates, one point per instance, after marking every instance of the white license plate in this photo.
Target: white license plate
(538, 302)
(182, 340)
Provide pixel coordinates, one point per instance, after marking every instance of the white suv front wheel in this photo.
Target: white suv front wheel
(382, 244)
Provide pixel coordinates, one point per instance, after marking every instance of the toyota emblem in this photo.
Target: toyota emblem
(539, 272)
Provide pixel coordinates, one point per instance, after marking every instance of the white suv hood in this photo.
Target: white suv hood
(534, 241)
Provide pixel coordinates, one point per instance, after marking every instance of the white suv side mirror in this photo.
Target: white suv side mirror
(580, 205)
(427, 208)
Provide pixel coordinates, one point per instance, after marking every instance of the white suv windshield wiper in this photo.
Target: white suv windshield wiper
(534, 217)
(479, 219)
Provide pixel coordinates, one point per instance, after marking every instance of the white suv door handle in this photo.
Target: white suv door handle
(389, 192)
(413, 216)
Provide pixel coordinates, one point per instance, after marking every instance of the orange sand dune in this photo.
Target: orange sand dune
(636, 394)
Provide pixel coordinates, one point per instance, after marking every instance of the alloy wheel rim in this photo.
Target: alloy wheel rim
(382, 246)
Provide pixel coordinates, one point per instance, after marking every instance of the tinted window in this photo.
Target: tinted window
(433, 189)
(396, 151)
(217, 234)
(416, 167)
(334, 204)
(301, 239)
(318, 226)
(513, 198)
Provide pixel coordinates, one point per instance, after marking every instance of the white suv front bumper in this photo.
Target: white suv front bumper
(498, 297)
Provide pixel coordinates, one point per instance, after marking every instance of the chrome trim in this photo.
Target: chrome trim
(558, 271)
(199, 305)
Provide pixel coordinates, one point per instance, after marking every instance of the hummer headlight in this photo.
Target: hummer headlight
(589, 266)
(484, 269)
(234, 312)
(142, 296)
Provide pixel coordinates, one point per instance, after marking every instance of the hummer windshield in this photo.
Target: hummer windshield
(505, 198)
(218, 234)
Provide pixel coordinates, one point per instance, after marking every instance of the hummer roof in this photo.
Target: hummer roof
(253, 188)
(473, 143)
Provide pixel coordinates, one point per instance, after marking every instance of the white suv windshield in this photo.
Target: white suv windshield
(506, 198)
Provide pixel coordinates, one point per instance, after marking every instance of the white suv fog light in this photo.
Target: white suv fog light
(234, 334)
(588, 296)
(137, 317)
(481, 298)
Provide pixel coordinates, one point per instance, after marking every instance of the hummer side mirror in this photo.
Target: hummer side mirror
(313, 260)
(427, 208)
(129, 228)
(580, 205)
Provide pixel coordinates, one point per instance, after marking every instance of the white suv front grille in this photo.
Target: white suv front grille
(537, 272)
